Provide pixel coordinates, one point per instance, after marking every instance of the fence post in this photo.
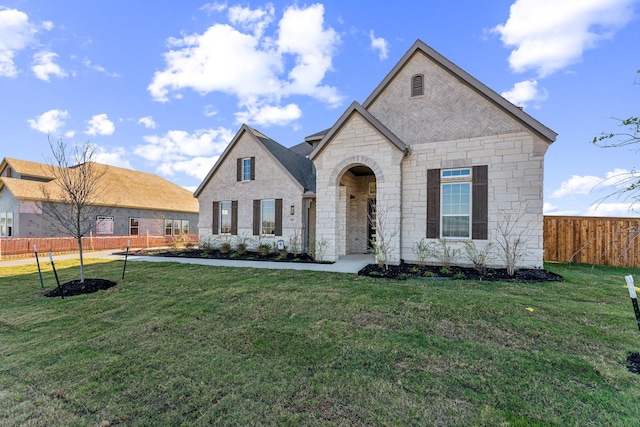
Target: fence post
(634, 298)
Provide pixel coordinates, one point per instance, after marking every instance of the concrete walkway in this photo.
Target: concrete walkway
(346, 264)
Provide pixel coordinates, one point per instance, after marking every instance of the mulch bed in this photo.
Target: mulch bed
(633, 362)
(413, 271)
(247, 256)
(75, 287)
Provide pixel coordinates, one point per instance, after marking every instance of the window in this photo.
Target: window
(168, 227)
(246, 169)
(225, 217)
(6, 224)
(134, 226)
(417, 85)
(457, 203)
(267, 217)
(185, 226)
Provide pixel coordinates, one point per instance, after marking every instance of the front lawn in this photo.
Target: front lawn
(178, 344)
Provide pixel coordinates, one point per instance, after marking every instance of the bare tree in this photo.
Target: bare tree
(386, 230)
(627, 134)
(75, 200)
(512, 238)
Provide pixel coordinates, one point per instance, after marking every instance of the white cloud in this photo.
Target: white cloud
(49, 122)
(180, 146)
(254, 20)
(524, 92)
(197, 167)
(47, 25)
(16, 33)
(611, 209)
(615, 180)
(270, 115)
(210, 110)
(379, 44)
(549, 35)
(214, 7)
(99, 68)
(216, 60)
(100, 125)
(116, 156)
(44, 67)
(147, 121)
(577, 185)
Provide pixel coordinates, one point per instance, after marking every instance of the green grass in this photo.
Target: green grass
(178, 344)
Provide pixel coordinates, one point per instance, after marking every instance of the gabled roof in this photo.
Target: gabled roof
(357, 108)
(123, 188)
(548, 135)
(26, 168)
(296, 165)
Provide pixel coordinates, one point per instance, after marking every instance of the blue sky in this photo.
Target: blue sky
(162, 86)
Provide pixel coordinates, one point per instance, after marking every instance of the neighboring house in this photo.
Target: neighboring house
(132, 203)
(259, 188)
(432, 153)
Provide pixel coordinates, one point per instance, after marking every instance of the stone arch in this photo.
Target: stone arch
(348, 162)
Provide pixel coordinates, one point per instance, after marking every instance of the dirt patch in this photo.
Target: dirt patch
(75, 287)
(407, 271)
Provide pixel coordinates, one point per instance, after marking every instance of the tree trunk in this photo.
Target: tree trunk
(81, 260)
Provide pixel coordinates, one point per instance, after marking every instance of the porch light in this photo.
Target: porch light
(293, 210)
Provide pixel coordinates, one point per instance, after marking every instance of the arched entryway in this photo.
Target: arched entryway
(357, 209)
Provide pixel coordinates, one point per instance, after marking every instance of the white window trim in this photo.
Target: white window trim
(248, 178)
(444, 180)
(262, 233)
(220, 218)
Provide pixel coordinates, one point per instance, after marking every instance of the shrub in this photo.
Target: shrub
(424, 250)
(447, 255)
(478, 258)
(264, 249)
(225, 247)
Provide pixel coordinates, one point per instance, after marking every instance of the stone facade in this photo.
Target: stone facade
(381, 153)
(456, 123)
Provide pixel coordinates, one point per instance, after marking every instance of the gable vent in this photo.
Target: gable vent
(417, 85)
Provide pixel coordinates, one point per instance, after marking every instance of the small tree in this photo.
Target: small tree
(386, 230)
(74, 202)
(512, 238)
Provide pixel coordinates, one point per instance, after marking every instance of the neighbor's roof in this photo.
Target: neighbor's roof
(123, 188)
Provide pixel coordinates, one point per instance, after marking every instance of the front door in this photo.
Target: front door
(371, 222)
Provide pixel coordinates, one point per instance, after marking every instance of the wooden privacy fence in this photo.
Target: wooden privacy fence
(23, 247)
(592, 240)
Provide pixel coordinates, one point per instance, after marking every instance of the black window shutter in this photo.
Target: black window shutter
(278, 227)
(239, 170)
(234, 217)
(256, 217)
(253, 169)
(215, 223)
(433, 203)
(480, 216)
